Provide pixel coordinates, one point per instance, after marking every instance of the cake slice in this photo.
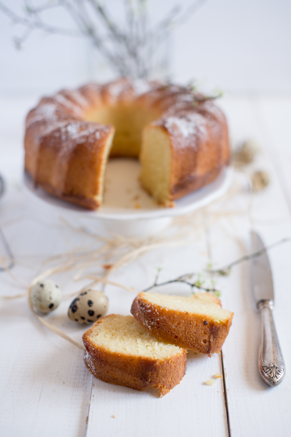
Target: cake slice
(196, 322)
(120, 351)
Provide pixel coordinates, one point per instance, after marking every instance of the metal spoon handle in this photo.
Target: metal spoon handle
(271, 362)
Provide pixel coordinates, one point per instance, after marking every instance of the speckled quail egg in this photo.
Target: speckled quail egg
(46, 296)
(88, 307)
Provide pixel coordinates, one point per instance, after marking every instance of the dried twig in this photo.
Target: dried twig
(225, 271)
(130, 51)
(183, 279)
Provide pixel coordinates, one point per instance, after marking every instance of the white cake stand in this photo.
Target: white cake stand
(127, 209)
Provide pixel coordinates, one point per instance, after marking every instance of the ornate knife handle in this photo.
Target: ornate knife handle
(271, 362)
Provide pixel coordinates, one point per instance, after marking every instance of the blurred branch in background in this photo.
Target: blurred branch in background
(128, 44)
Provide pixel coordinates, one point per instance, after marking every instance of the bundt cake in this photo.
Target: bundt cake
(180, 137)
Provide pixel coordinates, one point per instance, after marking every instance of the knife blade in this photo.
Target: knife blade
(271, 363)
(2, 186)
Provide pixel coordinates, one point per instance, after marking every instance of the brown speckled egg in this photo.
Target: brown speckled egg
(88, 307)
(46, 296)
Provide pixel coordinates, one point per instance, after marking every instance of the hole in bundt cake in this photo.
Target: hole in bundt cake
(129, 121)
(135, 137)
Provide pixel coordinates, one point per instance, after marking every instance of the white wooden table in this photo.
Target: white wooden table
(46, 389)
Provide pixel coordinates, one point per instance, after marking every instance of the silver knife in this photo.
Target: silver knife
(271, 362)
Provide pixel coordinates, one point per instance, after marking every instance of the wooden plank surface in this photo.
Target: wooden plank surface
(45, 386)
(255, 408)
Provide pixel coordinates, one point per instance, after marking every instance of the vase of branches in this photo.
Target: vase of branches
(129, 41)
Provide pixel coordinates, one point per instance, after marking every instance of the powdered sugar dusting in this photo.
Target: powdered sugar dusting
(73, 134)
(77, 96)
(116, 88)
(141, 86)
(67, 103)
(62, 115)
(124, 87)
(186, 127)
(80, 131)
(45, 111)
(50, 127)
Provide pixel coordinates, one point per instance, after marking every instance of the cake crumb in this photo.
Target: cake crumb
(113, 417)
(217, 375)
(136, 197)
(137, 206)
(209, 382)
(107, 266)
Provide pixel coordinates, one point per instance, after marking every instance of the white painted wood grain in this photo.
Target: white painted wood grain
(255, 408)
(274, 117)
(43, 382)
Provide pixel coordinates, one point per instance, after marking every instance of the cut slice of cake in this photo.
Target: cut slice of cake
(196, 322)
(120, 351)
(156, 164)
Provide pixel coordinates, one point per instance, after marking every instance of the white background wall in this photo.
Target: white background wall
(237, 45)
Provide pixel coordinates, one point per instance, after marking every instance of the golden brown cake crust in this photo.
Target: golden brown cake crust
(134, 372)
(199, 143)
(71, 171)
(196, 332)
(57, 133)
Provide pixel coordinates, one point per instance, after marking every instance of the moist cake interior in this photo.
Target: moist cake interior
(135, 138)
(129, 121)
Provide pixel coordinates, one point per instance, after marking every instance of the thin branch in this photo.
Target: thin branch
(18, 41)
(38, 9)
(226, 270)
(119, 37)
(187, 14)
(191, 90)
(181, 281)
(129, 51)
(173, 20)
(35, 24)
(184, 279)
